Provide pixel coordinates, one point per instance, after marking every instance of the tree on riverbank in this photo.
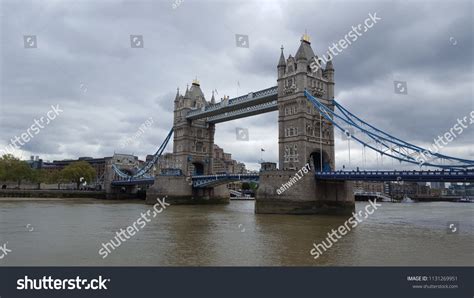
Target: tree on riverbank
(78, 172)
(13, 169)
(48, 177)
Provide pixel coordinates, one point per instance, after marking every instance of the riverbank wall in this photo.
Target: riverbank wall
(35, 193)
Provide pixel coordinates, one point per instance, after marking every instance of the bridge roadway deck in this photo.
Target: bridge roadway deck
(412, 176)
(254, 103)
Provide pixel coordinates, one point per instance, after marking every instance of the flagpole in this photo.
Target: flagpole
(321, 140)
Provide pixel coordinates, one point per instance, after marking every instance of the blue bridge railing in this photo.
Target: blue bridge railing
(202, 181)
(415, 176)
(212, 180)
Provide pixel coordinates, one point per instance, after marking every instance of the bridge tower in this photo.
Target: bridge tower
(304, 137)
(193, 140)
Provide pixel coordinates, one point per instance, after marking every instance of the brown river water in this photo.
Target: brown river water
(71, 232)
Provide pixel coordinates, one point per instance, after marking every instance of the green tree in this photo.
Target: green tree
(78, 172)
(43, 176)
(13, 169)
(56, 177)
(253, 185)
(245, 186)
(3, 171)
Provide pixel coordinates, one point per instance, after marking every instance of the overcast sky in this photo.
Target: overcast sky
(84, 62)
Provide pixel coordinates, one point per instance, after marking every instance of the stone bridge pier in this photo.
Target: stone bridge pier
(178, 190)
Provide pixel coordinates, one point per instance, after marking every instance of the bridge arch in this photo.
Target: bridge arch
(319, 160)
(198, 168)
(127, 171)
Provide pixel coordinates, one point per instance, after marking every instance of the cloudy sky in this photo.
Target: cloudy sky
(83, 61)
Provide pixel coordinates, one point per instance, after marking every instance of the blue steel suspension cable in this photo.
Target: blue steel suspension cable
(417, 148)
(327, 113)
(148, 165)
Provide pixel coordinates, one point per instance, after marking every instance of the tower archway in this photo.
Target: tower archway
(319, 161)
(198, 168)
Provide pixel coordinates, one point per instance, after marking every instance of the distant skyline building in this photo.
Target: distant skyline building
(438, 185)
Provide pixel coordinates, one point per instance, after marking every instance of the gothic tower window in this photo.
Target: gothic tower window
(198, 146)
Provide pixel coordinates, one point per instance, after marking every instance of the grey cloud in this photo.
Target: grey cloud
(85, 44)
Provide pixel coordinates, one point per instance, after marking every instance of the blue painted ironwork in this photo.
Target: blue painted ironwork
(148, 165)
(244, 112)
(414, 176)
(135, 181)
(203, 181)
(350, 116)
(243, 106)
(400, 150)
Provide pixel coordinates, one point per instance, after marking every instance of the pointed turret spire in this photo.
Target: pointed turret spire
(282, 61)
(177, 94)
(329, 65)
(186, 94)
(213, 100)
(305, 52)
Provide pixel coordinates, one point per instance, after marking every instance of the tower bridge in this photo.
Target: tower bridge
(307, 118)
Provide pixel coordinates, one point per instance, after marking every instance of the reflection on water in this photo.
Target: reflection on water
(71, 233)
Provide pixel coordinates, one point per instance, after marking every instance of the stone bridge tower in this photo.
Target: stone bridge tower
(192, 153)
(192, 140)
(304, 136)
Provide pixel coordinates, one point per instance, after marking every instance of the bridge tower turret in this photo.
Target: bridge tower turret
(329, 75)
(193, 140)
(281, 65)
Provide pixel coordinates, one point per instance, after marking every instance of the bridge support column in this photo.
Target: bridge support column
(178, 190)
(305, 196)
(108, 177)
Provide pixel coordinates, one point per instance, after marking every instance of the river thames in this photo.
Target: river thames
(71, 232)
